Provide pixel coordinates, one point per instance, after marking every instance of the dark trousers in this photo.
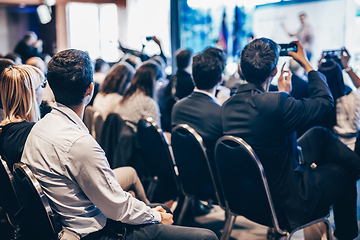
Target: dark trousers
(322, 147)
(114, 230)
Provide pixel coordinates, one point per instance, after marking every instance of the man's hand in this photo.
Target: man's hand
(301, 58)
(345, 57)
(284, 83)
(166, 218)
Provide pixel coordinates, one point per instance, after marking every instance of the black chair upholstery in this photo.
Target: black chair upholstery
(245, 187)
(39, 218)
(118, 141)
(157, 158)
(195, 171)
(8, 198)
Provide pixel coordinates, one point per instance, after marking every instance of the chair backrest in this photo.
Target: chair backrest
(195, 171)
(157, 155)
(117, 140)
(38, 214)
(243, 181)
(8, 198)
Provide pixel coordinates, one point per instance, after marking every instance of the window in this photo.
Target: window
(94, 28)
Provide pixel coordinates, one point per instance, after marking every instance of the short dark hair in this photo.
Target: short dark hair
(206, 70)
(183, 58)
(218, 53)
(258, 59)
(98, 64)
(70, 72)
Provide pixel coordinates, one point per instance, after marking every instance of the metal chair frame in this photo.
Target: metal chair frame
(12, 219)
(155, 181)
(230, 217)
(24, 169)
(275, 226)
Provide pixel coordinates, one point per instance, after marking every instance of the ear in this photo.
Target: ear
(274, 72)
(90, 90)
(221, 79)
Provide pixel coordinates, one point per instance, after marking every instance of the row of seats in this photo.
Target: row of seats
(236, 182)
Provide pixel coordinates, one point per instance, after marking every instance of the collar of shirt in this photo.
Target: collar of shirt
(62, 109)
(212, 96)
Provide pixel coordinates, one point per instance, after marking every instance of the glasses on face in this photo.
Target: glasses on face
(43, 85)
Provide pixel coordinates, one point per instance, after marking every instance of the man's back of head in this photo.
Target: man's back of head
(70, 72)
(183, 58)
(207, 71)
(258, 59)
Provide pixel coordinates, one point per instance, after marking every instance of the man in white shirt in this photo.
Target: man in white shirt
(74, 172)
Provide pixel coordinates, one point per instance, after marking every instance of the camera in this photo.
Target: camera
(285, 48)
(334, 55)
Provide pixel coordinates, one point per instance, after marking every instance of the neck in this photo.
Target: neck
(266, 84)
(211, 91)
(79, 110)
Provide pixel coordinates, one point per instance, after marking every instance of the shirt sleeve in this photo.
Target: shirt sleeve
(92, 173)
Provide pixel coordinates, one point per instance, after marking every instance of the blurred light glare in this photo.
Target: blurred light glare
(44, 14)
(231, 68)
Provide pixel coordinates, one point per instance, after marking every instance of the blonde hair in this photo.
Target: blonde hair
(17, 88)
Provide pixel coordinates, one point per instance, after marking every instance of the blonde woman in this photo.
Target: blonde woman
(21, 89)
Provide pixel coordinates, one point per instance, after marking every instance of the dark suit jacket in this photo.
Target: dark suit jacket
(201, 113)
(267, 121)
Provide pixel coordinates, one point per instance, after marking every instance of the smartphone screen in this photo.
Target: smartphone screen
(285, 48)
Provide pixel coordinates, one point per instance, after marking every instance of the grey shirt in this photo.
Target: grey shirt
(76, 177)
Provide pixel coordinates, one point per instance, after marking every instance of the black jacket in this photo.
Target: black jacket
(268, 121)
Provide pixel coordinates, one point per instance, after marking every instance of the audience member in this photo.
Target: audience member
(101, 69)
(14, 57)
(21, 90)
(29, 47)
(179, 86)
(138, 99)
(48, 96)
(4, 63)
(345, 114)
(55, 153)
(268, 121)
(114, 86)
(202, 110)
(222, 93)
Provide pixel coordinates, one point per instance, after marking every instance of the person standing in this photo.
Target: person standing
(305, 34)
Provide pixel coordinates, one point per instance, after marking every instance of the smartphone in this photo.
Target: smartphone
(285, 48)
(332, 53)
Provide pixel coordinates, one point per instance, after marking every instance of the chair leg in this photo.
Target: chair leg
(229, 224)
(183, 210)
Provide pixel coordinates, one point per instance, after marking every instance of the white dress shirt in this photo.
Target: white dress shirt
(76, 177)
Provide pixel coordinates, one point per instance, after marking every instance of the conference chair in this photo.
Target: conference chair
(8, 198)
(245, 186)
(157, 157)
(197, 176)
(40, 220)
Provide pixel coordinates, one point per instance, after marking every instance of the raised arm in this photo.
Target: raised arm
(345, 58)
(301, 58)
